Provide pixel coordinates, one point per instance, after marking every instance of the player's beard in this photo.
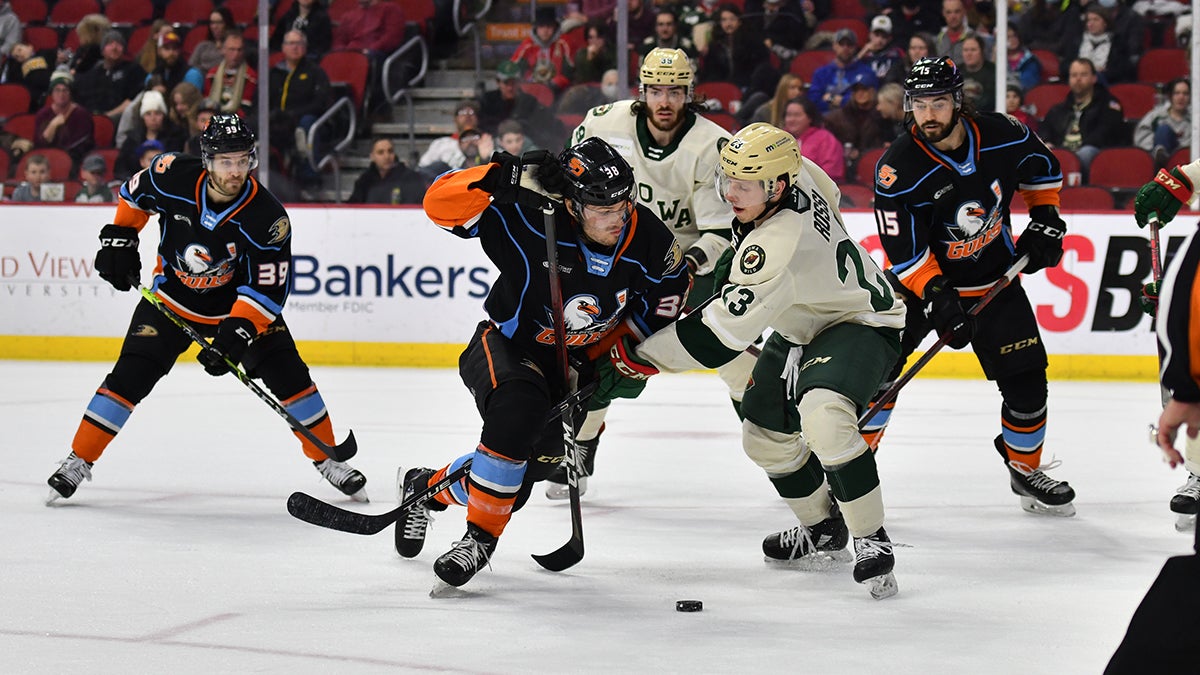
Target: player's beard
(228, 187)
(676, 119)
(940, 132)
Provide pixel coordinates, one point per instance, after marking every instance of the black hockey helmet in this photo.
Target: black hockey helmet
(596, 175)
(932, 76)
(227, 133)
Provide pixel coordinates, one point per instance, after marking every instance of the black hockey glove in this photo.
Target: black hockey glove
(117, 261)
(234, 335)
(1042, 240)
(503, 180)
(549, 171)
(944, 308)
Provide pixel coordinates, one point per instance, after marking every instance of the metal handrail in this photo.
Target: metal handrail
(332, 157)
(462, 30)
(392, 97)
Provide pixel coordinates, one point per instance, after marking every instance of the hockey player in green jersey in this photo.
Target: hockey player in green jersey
(673, 152)
(837, 327)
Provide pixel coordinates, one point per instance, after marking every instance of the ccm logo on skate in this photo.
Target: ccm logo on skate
(1019, 344)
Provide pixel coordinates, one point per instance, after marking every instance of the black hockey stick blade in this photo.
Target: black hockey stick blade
(323, 514)
(568, 555)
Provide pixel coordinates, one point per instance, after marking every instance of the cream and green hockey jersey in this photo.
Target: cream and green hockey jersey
(799, 273)
(677, 182)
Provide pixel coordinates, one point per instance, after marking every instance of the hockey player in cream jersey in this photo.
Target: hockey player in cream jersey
(836, 335)
(673, 152)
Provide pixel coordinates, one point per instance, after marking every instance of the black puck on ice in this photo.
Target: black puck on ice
(688, 606)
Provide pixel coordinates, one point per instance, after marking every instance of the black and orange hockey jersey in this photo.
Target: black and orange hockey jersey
(940, 213)
(214, 260)
(638, 285)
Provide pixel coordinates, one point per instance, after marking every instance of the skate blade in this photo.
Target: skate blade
(1032, 505)
(442, 591)
(560, 491)
(1184, 522)
(360, 496)
(52, 497)
(821, 561)
(883, 586)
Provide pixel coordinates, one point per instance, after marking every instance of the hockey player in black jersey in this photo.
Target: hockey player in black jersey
(942, 192)
(224, 260)
(622, 278)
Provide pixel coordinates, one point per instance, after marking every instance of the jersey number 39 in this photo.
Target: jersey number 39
(273, 274)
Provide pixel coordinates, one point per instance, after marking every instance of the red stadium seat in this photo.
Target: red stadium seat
(806, 63)
(14, 100)
(848, 9)
(110, 162)
(188, 12)
(1124, 168)
(5, 164)
(41, 37)
(193, 38)
(575, 38)
(1087, 198)
(421, 13)
(21, 125)
(281, 9)
(833, 25)
(60, 163)
(103, 131)
(543, 93)
(725, 92)
(1137, 98)
(30, 11)
(243, 11)
(67, 13)
(1043, 97)
(349, 68)
(570, 120)
(865, 172)
(71, 190)
(1181, 156)
(339, 8)
(1049, 62)
(857, 196)
(1072, 170)
(128, 12)
(724, 120)
(137, 39)
(1162, 65)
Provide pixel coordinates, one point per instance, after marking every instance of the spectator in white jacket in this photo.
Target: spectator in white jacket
(1168, 126)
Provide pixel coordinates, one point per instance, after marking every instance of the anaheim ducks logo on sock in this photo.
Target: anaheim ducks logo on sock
(144, 330)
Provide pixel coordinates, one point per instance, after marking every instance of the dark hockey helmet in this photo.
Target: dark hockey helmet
(933, 76)
(227, 133)
(596, 175)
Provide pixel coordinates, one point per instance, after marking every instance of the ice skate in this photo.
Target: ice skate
(468, 555)
(66, 480)
(1186, 503)
(557, 487)
(873, 563)
(814, 548)
(410, 530)
(1039, 493)
(345, 478)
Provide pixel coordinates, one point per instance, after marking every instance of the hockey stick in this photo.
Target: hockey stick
(942, 341)
(314, 511)
(571, 552)
(340, 452)
(1156, 269)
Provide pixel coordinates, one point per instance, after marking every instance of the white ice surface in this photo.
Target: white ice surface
(180, 557)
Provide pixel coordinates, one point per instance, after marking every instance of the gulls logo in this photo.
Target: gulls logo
(197, 269)
(969, 218)
(280, 230)
(581, 311)
(583, 318)
(143, 330)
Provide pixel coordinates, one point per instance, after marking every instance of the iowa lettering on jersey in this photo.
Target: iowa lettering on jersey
(671, 214)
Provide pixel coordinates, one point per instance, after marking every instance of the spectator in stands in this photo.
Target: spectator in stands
(910, 17)
(511, 138)
(1128, 29)
(1048, 24)
(831, 82)
(207, 53)
(544, 57)
(1168, 126)
(583, 97)
(803, 120)
(147, 57)
(90, 30)
(858, 126)
(890, 104)
(1024, 68)
(32, 69)
(37, 172)
(594, 57)
(91, 175)
(113, 82)
(1100, 45)
(63, 123)
(197, 122)
(954, 13)
(311, 18)
(641, 24)
(299, 94)
(232, 82)
(10, 29)
(147, 151)
(667, 36)
(131, 117)
(156, 128)
(979, 74)
(387, 181)
(920, 45)
(1089, 120)
(508, 101)
(734, 55)
(880, 52)
(698, 22)
(375, 28)
(183, 100)
(460, 149)
(169, 63)
(771, 110)
(1014, 104)
(783, 25)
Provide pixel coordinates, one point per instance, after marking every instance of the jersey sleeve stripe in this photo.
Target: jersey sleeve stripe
(916, 274)
(450, 203)
(702, 343)
(129, 215)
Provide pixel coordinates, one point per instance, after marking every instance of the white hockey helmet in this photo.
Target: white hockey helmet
(666, 68)
(759, 152)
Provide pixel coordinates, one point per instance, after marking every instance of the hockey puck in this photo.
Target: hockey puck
(689, 606)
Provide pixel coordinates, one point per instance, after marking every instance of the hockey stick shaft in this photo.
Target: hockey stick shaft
(340, 452)
(1156, 269)
(894, 390)
(571, 552)
(323, 514)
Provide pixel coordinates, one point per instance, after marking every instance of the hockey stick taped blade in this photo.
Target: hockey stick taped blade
(316, 512)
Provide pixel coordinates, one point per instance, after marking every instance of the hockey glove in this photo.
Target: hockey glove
(117, 261)
(234, 335)
(1149, 299)
(503, 179)
(945, 310)
(723, 268)
(1042, 241)
(1164, 195)
(549, 171)
(620, 375)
